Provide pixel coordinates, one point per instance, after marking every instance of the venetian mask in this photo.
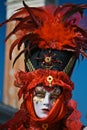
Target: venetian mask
(44, 99)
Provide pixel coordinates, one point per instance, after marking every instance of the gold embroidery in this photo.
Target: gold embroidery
(29, 65)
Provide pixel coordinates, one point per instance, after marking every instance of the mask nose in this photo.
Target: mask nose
(46, 101)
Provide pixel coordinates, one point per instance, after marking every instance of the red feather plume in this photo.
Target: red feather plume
(55, 27)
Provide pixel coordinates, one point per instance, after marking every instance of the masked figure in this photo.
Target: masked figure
(53, 39)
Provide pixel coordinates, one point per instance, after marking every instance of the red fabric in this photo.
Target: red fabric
(63, 112)
(73, 121)
(29, 80)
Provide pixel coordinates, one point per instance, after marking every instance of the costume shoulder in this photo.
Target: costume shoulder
(18, 122)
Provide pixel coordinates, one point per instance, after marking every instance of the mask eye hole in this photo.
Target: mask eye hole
(57, 91)
(40, 94)
(39, 91)
(55, 94)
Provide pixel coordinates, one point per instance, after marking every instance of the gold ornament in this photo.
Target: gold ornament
(50, 79)
(47, 59)
(45, 126)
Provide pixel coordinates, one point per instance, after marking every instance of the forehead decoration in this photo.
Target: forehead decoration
(52, 35)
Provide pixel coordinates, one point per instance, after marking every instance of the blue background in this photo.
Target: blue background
(2, 46)
(79, 76)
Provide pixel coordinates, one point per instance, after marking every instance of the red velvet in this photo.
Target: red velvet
(29, 80)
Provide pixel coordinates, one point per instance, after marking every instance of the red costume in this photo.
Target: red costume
(53, 40)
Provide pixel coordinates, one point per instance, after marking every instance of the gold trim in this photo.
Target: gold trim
(70, 64)
(29, 65)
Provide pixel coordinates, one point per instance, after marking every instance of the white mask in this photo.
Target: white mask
(44, 100)
(85, 128)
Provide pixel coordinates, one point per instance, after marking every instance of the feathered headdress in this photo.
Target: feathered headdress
(52, 36)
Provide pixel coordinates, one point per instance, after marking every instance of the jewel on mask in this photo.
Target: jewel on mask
(50, 79)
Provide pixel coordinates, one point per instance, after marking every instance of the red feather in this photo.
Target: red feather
(54, 27)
